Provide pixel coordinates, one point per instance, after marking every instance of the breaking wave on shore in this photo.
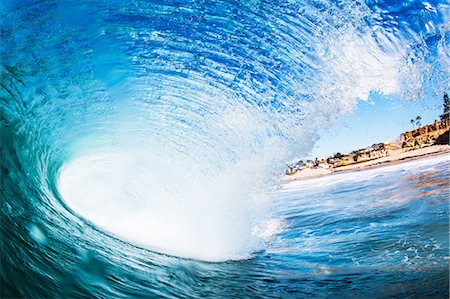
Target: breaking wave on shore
(164, 127)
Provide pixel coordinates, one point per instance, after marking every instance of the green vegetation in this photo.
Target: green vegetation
(446, 107)
(416, 121)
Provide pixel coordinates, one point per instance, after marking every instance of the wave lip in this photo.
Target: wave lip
(172, 122)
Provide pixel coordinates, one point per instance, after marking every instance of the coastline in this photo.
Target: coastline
(392, 159)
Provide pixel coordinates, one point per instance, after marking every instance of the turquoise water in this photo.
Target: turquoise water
(378, 233)
(143, 144)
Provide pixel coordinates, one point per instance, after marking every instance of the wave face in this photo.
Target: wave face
(165, 126)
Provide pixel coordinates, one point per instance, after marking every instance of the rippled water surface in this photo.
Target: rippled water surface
(143, 144)
(376, 233)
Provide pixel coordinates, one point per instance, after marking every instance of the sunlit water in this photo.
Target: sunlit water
(375, 233)
(143, 144)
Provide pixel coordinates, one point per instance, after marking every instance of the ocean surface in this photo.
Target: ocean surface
(379, 233)
(142, 146)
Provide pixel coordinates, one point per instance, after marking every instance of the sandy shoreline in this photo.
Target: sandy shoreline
(394, 158)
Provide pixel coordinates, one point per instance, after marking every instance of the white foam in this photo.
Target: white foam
(156, 204)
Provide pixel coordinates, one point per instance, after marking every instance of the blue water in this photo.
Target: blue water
(143, 144)
(378, 233)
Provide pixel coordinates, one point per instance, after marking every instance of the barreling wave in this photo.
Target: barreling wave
(167, 124)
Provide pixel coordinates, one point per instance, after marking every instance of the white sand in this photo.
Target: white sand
(307, 174)
(399, 156)
(394, 157)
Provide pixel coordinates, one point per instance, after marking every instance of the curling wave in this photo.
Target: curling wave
(167, 125)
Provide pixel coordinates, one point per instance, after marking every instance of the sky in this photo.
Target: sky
(379, 119)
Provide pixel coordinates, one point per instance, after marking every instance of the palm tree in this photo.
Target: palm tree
(412, 122)
(418, 119)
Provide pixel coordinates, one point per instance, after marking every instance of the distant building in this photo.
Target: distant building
(392, 146)
(435, 133)
(346, 160)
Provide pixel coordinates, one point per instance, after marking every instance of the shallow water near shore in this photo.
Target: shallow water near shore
(377, 233)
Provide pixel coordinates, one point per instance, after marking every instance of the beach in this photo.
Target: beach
(395, 157)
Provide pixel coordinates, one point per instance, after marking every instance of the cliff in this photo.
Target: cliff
(435, 133)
